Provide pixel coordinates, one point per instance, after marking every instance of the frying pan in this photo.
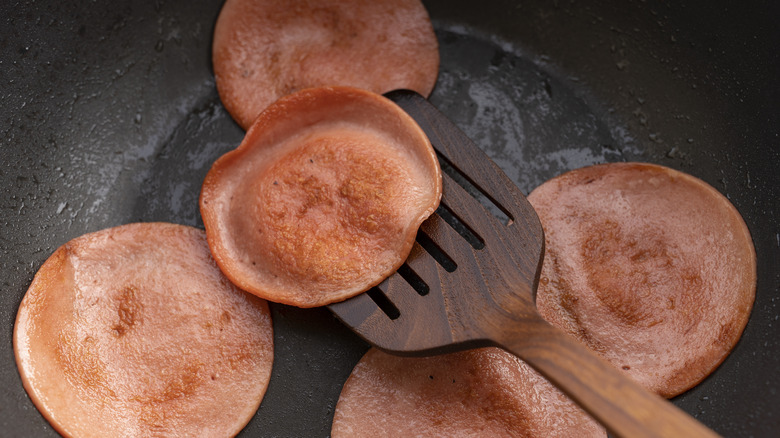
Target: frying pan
(110, 115)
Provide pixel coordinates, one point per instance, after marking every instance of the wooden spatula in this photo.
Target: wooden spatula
(470, 281)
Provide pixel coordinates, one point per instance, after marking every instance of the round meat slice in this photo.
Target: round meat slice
(134, 331)
(322, 199)
(650, 267)
(486, 392)
(265, 49)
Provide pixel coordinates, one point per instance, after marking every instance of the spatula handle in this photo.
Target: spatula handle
(622, 406)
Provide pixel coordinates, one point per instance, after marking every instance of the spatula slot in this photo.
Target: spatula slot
(473, 189)
(384, 303)
(436, 252)
(460, 227)
(414, 280)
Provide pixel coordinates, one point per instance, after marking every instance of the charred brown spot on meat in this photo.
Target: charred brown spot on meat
(128, 310)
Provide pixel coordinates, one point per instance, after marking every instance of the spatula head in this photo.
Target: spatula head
(475, 265)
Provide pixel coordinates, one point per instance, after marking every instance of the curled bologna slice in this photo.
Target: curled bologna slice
(134, 331)
(323, 197)
(483, 392)
(266, 49)
(650, 267)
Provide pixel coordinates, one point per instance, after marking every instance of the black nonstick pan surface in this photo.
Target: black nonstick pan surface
(109, 115)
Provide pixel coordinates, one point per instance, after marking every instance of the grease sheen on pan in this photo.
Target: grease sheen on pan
(484, 392)
(134, 331)
(265, 49)
(323, 197)
(650, 267)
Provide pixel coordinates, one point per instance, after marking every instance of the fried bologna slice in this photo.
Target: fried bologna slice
(650, 267)
(485, 392)
(134, 331)
(322, 199)
(265, 49)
